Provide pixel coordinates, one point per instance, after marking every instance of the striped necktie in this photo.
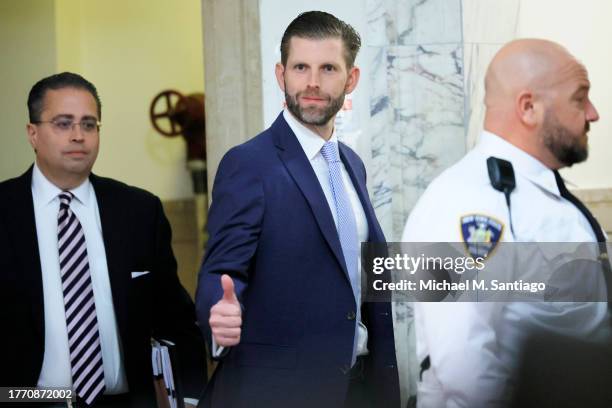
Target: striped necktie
(347, 228)
(81, 320)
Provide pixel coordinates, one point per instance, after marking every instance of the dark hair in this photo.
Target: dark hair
(55, 82)
(320, 25)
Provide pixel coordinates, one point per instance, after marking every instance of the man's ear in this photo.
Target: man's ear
(279, 71)
(353, 79)
(32, 131)
(528, 109)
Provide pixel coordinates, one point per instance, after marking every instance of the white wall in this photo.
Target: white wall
(27, 46)
(585, 28)
(132, 50)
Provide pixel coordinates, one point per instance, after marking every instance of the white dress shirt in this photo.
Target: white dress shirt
(474, 347)
(56, 370)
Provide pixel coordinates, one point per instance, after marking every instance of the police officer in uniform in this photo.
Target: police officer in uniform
(538, 113)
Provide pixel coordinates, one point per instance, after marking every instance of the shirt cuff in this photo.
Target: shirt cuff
(191, 401)
(217, 350)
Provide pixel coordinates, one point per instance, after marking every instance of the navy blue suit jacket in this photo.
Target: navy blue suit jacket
(270, 228)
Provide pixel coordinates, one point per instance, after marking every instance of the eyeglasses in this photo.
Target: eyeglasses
(89, 126)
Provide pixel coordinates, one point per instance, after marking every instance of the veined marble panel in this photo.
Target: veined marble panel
(383, 137)
(381, 179)
(416, 100)
(417, 129)
(489, 22)
(410, 22)
(417, 124)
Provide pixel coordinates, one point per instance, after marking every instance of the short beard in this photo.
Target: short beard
(313, 116)
(564, 145)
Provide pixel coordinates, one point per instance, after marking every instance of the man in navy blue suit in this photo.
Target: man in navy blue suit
(279, 290)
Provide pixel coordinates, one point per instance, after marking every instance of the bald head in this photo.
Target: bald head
(527, 64)
(536, 97)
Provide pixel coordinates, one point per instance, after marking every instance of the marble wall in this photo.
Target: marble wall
(427, 61)
(414, 49)
(417, 120)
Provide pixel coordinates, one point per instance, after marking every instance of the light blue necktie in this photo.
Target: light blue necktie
(346, 226)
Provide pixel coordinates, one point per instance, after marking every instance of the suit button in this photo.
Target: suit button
(350, 315)
(345, 369)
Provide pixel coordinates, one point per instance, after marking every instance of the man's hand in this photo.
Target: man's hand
(226, 316)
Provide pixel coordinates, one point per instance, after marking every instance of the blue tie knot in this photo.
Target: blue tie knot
(330, 152)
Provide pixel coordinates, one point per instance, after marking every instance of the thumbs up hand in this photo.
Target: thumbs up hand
(226, 316)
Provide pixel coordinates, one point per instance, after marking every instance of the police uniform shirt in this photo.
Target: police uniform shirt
(473, 346)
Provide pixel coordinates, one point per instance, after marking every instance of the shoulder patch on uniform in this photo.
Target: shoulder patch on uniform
(480, 234)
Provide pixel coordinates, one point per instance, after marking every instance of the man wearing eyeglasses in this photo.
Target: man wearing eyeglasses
(87, 273)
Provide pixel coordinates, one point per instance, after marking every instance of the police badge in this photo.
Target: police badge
(480, 234)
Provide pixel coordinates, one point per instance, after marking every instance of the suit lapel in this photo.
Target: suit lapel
(112, 218)
(24, 232)
(296, 162)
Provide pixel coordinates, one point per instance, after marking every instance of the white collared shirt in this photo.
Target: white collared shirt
(474, 347)
(539, 212)
(311, 144)
(56, 370)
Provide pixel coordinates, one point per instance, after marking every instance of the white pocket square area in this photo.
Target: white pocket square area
(137, 274)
